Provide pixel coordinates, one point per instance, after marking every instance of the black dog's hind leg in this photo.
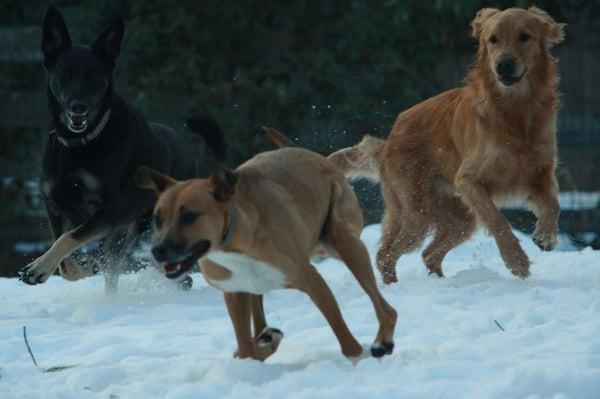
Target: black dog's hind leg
(117, 249)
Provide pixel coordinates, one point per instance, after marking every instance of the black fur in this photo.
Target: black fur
(91, 187)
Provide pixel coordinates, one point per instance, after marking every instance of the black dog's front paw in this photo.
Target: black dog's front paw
(185, 283)
(34, 273)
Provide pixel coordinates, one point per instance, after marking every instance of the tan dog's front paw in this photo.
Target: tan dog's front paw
(270, 337)
(545, 239)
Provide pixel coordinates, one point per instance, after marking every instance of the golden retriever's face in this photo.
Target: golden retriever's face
(515, 40)
(189, 218)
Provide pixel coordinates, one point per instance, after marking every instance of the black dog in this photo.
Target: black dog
(97, 144)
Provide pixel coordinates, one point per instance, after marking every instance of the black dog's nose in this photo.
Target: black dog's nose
(78, 107)
(166, 250)
(506, 67)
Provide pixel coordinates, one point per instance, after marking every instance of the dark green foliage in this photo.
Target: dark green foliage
(324, 71)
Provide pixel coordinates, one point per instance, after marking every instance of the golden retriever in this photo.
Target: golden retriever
(451, 159)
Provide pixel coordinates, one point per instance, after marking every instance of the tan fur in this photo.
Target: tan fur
(288, 202)
(451, 159)
(361, 160)
(278, 138)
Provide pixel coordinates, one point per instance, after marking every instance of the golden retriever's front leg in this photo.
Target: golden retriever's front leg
(543, 202)
(476, 196)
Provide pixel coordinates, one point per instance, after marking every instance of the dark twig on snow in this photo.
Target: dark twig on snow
(28, 347)
(51, 369)
(499, 326)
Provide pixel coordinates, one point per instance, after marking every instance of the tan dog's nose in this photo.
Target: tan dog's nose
(166, 251)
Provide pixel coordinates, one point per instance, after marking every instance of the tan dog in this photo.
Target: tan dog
(451, 159)
(255, 229)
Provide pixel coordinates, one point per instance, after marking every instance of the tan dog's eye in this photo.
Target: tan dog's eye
(493, 39)
(188, 218)
(523, 37)
(157, 221)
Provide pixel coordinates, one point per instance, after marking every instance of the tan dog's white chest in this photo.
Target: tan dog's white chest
(247, 274)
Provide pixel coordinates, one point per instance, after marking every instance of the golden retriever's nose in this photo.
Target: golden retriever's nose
(506, 67)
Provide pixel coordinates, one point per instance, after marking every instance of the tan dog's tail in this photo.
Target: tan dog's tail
(278, 138)
(361, 160)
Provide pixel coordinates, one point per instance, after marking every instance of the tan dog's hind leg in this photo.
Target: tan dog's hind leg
(343, 232)
(239, 306)
(317, 289)
(478, 199)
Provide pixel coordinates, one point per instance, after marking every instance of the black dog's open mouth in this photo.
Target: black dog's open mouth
(511, 80)
(77, 123)
(175, 270)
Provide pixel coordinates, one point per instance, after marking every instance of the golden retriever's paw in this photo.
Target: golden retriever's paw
(390, 278)
(388, 274)
(520, 272)
(518, 263)
(435, 271)
(546, 241)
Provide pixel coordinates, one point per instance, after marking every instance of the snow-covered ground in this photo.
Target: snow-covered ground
(152, 341)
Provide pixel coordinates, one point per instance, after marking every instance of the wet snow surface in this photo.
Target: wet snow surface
(152, 341)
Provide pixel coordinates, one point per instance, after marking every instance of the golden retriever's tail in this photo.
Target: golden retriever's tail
(361, 160)
(278, 138)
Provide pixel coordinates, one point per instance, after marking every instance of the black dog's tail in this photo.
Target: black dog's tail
(212, 134)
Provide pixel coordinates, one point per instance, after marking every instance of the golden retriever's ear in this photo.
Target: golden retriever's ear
(152, 180)
(555, 32)
(480, 19)
(224, 181)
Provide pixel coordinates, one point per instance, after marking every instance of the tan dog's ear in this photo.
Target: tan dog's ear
(555, 32)
(480, 19)
(224, 182)
(153, 180)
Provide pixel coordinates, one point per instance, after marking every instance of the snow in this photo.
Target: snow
(570, 201)
(152, 341)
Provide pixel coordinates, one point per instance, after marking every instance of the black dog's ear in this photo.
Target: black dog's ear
(224, 183)
(55, 37)
(146, 177)
(109, 42)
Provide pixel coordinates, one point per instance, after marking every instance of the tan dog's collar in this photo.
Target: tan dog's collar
(231, 222)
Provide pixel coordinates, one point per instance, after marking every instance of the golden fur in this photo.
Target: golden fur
(451, 159)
